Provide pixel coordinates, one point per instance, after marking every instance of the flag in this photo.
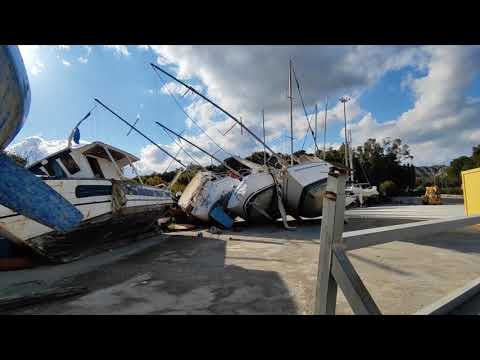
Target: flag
(76, 136)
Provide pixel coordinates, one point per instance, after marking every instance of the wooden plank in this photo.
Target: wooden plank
(454, 299)
(331, 231)
(381, 235)
(15, 302)
(352, 286)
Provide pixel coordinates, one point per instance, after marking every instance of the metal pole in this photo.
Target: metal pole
(199, 148)
(135, 171)
(316, 113)
(325, 129)
(264, 150)
(344, 100)
(330, 234)
(291, 111)
(114, 162)
(138, 131)
(350, 153)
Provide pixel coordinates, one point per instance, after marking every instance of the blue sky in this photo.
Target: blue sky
(395, 91)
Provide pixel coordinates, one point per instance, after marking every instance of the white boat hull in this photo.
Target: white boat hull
(254, 199)
(203, 192)
(93, 198)
(304, 186)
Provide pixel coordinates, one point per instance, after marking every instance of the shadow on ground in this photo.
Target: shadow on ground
(182, 275)
(465, 240)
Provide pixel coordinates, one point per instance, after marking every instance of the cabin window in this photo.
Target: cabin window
(54, 169)
(97, 171)
(69, 163)
(37, 170)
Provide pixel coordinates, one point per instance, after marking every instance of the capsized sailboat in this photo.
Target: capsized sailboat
(254, 199)
(203, 192)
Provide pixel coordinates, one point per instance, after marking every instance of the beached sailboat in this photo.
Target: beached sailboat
(204, 191)
(254, 199)
(261, 194)
(90, 177)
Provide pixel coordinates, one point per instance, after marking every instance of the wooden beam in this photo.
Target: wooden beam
(331, 232)
(381, 235)
(454, 299)
(352, 286)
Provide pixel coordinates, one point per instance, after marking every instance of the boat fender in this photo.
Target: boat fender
(119, 199)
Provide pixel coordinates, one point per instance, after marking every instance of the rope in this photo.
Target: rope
(188, 116)
(181, 147)
(305, 111)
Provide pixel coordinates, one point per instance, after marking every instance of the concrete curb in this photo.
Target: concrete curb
(456, 298)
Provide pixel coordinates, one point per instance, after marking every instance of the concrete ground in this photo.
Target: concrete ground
(256, 270)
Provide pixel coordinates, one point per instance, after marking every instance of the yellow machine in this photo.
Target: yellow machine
(470, 187)
(432, 196)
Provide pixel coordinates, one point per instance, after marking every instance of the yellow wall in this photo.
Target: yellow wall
(471, 191)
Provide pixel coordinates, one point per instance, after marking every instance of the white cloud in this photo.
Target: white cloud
(66, 63)
(64, 47)
(443, 122)
(35, 148)
(82, 60)
(32, 59)
(244, 79)
(119, 49)
(89, 49)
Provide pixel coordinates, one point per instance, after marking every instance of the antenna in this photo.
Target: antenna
(344, 99)
(138, 131)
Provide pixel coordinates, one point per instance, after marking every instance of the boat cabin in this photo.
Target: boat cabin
(95, 160)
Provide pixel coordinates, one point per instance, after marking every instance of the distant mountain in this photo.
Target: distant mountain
(428, 172)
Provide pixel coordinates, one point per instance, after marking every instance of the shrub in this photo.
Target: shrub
(389, 188)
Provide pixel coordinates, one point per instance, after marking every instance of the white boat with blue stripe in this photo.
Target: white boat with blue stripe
(91, 177)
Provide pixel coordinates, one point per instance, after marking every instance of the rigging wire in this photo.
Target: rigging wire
(305, 111)
(171, 162)
(188, 116)
(182, 148)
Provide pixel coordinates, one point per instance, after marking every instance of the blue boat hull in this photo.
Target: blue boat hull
(15, 96)
(20, 190)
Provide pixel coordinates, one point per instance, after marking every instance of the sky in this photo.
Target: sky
(428, 96)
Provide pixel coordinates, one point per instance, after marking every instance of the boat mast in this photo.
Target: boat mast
(350, 153)
(325, 128)
(291, 110)
(264, 150)
(199, 148)
(138, 131)
(316, 113)
(344, 99)
(218, 107)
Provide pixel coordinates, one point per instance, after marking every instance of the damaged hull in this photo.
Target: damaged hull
(203, 192)
(304, 186)
(110, 208)
(254, 199)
